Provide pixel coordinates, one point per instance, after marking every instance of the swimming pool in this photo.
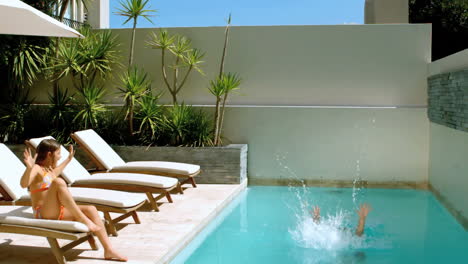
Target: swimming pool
(271, 225)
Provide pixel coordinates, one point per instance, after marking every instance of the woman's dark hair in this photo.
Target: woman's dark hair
(46, 146)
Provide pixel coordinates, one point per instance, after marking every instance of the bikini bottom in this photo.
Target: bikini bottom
(37, 212)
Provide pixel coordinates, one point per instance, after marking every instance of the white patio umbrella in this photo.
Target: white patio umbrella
(18, 18)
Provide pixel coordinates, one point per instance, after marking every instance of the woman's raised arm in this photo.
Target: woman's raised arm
(31, 169)
(58, 170)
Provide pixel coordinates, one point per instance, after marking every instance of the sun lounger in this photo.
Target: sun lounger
(77, 176)
(105, 201)
(107, 159)
(20, 222)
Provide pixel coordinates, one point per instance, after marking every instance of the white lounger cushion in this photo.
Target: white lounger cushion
(75, 173)
(103, 197)
(107, 197)
(23, 216)
(100, 149)
(112, 161)
(12, 170)
(129, 178)
(158, 166)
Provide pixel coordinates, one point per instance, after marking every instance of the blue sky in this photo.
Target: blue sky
(203, 13)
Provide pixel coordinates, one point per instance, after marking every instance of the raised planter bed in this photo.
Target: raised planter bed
(221, 165)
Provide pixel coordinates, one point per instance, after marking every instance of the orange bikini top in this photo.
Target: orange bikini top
(45, 184)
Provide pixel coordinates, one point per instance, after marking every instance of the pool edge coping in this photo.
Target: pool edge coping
(171, 254)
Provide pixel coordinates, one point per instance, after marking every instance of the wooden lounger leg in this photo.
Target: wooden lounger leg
(92, 242)
(179, 186)
(152, 201)
(169, 198)
(111, 226)
(135, 217)
(192, 180)
(58, 252)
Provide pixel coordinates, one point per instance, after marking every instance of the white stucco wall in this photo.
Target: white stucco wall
(378, 65)
(386, 11)
(379, 145)
(448, 166)
(454, 62)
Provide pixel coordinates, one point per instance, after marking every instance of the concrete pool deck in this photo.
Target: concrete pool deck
(158, 239)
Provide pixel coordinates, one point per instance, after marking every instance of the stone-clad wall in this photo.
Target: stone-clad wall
(219, 165)
(448, 99)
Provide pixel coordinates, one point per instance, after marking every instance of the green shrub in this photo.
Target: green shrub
(91, 108)
(12, 116)
(199, 129)
(135, 84)
(37, 123)
(185, 126)
(60, 108)
(113, 128)
(150, 117)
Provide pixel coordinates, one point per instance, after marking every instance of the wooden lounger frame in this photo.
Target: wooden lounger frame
(135, 188)
(52, 235)
(110, 223)
(163, 192)
(187, 178)
(100, 167)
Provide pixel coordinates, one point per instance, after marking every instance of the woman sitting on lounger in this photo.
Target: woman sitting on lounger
(51, 198)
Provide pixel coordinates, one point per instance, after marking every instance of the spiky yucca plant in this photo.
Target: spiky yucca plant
(185, 57)
(135, 85)
(12, 116)
(60, 107)
(221, 88)
(185, 126)
(150, 115)
(88, 60)
(91, 106)
(200, 130)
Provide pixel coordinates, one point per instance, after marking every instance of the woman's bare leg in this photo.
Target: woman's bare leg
(93, 215)
(58, 195)
(363, 211)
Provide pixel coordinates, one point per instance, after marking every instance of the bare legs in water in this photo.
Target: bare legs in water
(363, 211)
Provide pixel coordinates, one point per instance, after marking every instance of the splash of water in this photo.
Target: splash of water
(332, 233)
(357, 185)
(300, 193)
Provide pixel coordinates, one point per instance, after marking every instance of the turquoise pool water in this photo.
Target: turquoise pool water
(272, 225)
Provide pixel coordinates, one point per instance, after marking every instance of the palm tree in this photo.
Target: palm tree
(132, 9)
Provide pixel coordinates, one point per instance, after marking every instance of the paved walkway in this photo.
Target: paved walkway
(159, 237)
